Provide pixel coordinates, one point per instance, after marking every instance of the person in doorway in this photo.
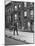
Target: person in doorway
(15, 28)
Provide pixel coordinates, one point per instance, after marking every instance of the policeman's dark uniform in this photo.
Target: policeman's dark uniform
(15, 28)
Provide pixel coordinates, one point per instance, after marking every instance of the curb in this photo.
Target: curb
(11, 37)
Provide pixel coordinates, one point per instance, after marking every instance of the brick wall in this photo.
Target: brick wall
(24, 12)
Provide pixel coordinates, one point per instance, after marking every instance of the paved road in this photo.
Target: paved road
(28, 37)
(9, 41)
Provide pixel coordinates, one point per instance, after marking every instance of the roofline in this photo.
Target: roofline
(6, 2)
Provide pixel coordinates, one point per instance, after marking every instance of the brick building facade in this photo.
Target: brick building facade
(23, 12)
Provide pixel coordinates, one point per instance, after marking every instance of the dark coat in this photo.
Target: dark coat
(15, 26)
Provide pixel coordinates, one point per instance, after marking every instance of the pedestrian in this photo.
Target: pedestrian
(15, 28)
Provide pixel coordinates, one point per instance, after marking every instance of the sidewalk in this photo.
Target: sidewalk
(28, 37)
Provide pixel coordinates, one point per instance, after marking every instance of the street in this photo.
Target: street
(9, 41)
(24, 37)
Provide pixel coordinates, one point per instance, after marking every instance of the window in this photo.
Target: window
(19, 6)
(31, 4)
(31, 12)
(28, 24)
(15, 16)
(25, 13)
(15, 7)
(25, 4)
